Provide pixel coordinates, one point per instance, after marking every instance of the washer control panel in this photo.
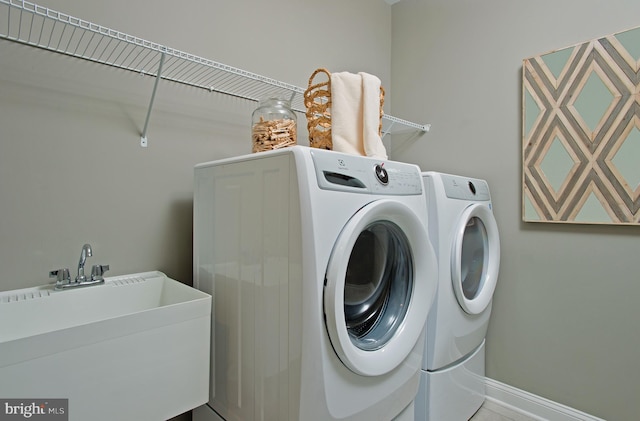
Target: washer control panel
(338, 171)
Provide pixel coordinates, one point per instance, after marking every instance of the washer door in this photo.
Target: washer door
(379, 286)
(475, 258)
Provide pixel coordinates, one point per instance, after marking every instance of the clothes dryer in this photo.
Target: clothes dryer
(322, 275)
(465, 237)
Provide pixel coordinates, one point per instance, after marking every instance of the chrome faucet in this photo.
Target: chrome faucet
(63, 280)
(86, 252)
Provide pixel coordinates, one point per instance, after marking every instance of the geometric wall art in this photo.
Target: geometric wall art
(581, 133)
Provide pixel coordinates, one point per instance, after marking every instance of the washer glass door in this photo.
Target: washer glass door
(378, 285)
(475, 258)
(377, 292)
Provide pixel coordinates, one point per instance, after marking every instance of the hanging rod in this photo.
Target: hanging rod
(30, 24)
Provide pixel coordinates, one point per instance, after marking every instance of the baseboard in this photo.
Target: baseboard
(531, 405)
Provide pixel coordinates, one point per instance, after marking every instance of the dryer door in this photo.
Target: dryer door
(475, 258)
(380, 282)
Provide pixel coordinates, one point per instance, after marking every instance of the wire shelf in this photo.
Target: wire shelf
(30, 24)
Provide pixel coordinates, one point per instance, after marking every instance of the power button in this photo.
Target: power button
(381, 174)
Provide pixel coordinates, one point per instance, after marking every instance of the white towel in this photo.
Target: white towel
(355, 114)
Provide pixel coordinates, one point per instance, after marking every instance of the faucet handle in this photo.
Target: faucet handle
(63, 278)
(97, 271)
(61, 275)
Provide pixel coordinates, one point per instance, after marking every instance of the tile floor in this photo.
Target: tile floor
(491, 411)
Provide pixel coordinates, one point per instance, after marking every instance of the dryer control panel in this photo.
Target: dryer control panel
(360, 174)
(464, 188)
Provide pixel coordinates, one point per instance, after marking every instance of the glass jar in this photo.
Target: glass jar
(274, 125)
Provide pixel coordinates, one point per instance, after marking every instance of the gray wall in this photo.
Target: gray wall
(71, 168)
(565, 316)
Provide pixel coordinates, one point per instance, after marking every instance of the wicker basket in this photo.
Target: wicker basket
(317, 100)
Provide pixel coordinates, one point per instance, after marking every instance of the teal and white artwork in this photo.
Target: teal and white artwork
(581, 133)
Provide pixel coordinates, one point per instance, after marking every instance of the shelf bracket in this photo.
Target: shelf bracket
(386, 132)
(143, 138)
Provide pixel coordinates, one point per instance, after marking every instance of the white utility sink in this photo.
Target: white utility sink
(134, 348)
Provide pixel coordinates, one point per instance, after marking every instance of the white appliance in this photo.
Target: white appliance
(465, 237)
(322, 275)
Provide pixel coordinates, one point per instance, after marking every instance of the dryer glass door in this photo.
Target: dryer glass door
(475, 259)
(378, 293)
(474, 256)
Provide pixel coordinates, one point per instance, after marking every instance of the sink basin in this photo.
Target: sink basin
(134, 348)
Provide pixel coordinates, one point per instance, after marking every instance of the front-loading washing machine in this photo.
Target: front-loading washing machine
(467, 245)
(322, 275)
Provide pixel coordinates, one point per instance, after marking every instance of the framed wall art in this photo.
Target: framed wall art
(581, 133)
